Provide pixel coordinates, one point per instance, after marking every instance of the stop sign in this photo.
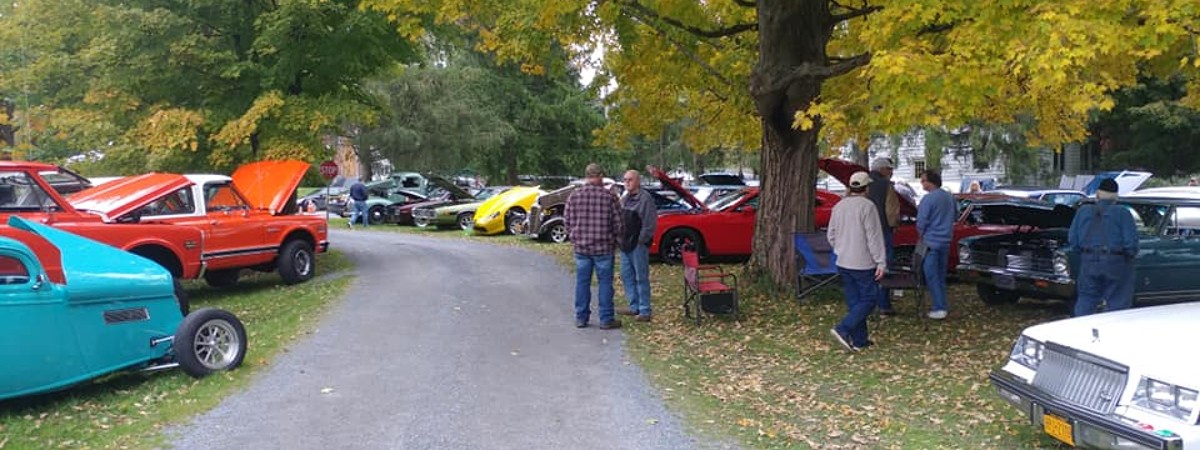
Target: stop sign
(329, 169)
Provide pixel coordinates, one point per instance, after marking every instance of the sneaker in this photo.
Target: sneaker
(843, 339)
(642, 318)
(580, 324)
(611, 325)
(937, 315)
(626, 312)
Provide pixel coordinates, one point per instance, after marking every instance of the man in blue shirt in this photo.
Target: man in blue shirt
(1106, 238)
(935, 225)
(358, 196)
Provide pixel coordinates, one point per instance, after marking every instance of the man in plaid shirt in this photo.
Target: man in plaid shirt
(593, 217)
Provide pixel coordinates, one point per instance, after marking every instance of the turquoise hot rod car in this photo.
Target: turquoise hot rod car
(73, 309)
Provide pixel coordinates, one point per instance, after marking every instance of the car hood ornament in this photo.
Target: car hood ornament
(1095, 335)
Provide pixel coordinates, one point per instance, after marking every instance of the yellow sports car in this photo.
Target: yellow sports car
(506, 211)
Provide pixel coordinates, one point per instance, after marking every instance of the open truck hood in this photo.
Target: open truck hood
(269, 184)
(1023, 212)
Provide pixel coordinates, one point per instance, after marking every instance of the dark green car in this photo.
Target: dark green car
(1033, 262)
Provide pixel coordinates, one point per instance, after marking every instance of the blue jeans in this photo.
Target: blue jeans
(885, 298)
(935, 263)
(603, 266)
(1103, 277)
(360, 211)
(862, 293)
(635, 274)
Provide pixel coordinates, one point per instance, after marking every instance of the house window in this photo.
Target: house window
(918, 169)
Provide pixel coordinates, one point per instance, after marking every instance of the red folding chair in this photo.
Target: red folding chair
(709, 289)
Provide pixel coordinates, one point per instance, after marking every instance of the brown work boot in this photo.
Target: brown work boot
(616, 323)
(642, 318)
(626, 312)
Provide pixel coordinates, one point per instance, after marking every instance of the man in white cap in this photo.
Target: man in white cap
(857, 239)
(887, 203)
(1106, 237)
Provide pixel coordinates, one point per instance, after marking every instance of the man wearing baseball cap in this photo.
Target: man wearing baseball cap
(1106, 238)
(883, 193)
(857, 240)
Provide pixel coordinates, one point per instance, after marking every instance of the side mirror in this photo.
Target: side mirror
(38, 282)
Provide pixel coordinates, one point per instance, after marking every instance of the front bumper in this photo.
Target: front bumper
(489, 227)
(336, 208)
(1033, 285)
(1085, 428)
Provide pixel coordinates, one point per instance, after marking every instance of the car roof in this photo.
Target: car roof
(1171, 193)
(200, 179)
(23, 165)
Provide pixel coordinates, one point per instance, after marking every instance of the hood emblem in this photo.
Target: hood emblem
(1095, 335)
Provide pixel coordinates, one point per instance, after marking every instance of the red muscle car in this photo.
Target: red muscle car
(722, 228)
(249, 220)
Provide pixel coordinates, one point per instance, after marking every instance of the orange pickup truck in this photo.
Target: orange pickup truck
(249, 220)
(29, 189)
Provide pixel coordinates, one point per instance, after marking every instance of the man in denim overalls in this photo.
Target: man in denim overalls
(1106, 238)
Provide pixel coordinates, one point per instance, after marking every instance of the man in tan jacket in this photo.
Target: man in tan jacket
(857, 240)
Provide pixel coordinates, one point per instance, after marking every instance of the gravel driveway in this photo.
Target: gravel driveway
(445, 344)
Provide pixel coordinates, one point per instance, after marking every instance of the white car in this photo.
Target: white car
(1118, 380)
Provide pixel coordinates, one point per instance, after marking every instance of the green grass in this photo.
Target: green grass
(129, 410)
(777, 379)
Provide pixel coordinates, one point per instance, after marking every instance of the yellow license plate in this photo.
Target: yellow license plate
(1058, 428)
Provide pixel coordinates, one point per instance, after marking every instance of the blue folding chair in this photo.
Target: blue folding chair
(816, 263)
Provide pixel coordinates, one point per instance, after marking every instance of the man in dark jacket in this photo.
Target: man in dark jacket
(358, 196)
(640, 216)
(883, 194)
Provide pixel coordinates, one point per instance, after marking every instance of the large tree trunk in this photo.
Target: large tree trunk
(792, 36)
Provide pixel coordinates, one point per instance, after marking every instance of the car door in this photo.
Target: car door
(39, 348)
(234, 236)
(731, 229)
(1171, 275)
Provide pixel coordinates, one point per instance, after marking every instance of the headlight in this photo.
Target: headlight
(1027, 352)
(964, 254)
(493, 215)
(1165, 398)
(1061, 268)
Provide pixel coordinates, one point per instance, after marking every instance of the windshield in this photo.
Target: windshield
(729, 199)
(1148, 217)
(19, 192)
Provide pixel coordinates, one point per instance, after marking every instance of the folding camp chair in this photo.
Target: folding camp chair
(815, 261)
(909, 278)
(707, 289)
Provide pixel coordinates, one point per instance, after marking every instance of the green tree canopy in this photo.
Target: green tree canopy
(176, 85)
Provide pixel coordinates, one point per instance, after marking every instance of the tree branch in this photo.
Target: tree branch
(715, 33)
(780, 80)
(746, 3)
(852, 12)
(685, 50)
(937, 28)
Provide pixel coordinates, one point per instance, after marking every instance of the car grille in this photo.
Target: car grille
(1016, 260)
(1081, 378)
(535, 219)
(424, 213)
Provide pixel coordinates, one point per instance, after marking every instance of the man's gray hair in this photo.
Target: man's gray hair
(882, 163)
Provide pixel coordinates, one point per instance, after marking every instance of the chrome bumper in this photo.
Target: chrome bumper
(1027, 284)
(1088, 429)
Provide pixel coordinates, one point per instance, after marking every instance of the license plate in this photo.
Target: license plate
(1005, 281)
(1058, 428)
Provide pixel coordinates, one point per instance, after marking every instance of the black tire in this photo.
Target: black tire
(375, 215)
(222, 278)
(512, 221)
(209, 340)
(466, 221)
(670, 248)
(992, 295)
(181, 297)
(296, 262)
(558, 233)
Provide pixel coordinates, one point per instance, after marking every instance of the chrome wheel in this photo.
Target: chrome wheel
(466, 221)
(216, 344)
(303, 263)
(558, 233)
